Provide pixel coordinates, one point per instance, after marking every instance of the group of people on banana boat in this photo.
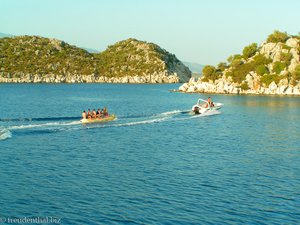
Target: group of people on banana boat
(95, 114)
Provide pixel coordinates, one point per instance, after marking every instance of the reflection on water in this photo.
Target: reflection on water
(270, 101)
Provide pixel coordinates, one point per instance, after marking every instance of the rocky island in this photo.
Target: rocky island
(34, 59)
(271, 68)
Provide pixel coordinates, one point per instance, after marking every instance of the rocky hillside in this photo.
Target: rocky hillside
(38, 59)
(132, 57)
(271, 68)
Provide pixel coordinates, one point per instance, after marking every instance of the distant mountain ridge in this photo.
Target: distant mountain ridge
(194, 67)
(2, 35)
(39, 59)
(90, 50)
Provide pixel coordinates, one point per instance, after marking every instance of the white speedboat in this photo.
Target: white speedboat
(203, 106)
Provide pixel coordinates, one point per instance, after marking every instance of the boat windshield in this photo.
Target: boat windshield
(203, 103)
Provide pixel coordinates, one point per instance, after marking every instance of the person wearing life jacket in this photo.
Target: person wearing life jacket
(98, 113)
(89, 115)
(94, 114)
(83, 114)
(105, 112)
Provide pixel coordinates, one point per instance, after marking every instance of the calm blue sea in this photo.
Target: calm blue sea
(155, 164)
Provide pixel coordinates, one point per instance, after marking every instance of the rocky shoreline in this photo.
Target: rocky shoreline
(52, 78)
(224, 87)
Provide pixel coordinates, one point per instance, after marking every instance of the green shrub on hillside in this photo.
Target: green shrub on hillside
(236, 63)
(231, 58)
(229, 74)
(261, 60)
(240, 70)
(210, 73)
(286, 57)
(296, 73)
(277, 36)
(278, 67)
(286, 47)
(261, 70)
(222, 66)
(244, 86)
(250, 50)
(269, 78)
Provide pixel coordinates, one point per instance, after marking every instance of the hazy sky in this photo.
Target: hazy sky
(202, 31)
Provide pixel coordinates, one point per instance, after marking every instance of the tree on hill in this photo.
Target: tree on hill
(250, 50)
(210, 73)
(222, 66)
(296, 74)
(277, 36)
(232, 58)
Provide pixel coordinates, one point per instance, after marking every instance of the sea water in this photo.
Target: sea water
(155, 164)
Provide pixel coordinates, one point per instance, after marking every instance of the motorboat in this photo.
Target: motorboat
(203, 106)
(99, 120)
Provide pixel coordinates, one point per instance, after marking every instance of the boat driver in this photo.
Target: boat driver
(209, 101)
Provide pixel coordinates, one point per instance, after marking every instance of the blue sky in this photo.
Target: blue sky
(202, 31)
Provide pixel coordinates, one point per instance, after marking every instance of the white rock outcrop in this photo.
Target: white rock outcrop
(231, 88)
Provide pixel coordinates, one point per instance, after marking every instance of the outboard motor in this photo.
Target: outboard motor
(196, 110)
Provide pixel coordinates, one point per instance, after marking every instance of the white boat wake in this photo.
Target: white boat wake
(29, 126)
(171, 112)
(4, 133)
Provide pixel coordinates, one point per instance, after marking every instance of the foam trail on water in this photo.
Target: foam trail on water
(170, 113)
(140, 122)
(4, 134)
(29, 126)
(130, 123)
(38, 119)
